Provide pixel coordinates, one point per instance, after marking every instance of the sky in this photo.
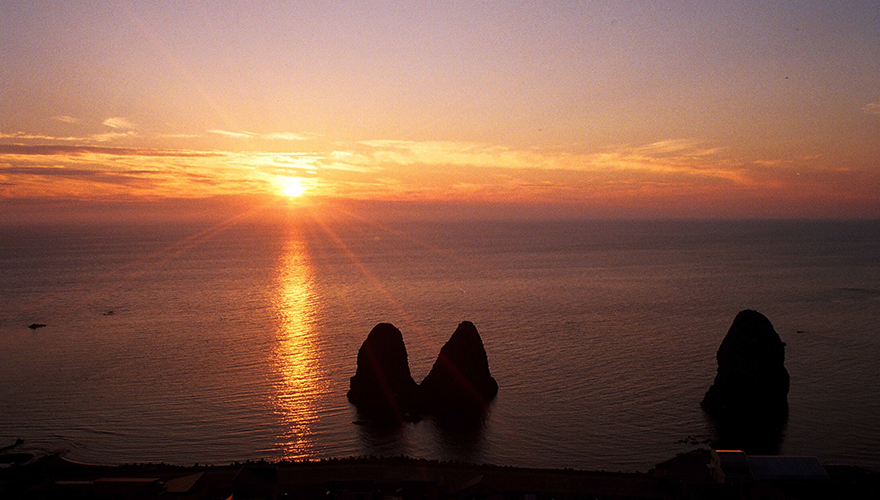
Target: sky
(559, 109)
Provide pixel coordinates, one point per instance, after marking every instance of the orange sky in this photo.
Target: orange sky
(612, 109)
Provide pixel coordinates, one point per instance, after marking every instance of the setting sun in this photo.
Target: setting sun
(292, 187)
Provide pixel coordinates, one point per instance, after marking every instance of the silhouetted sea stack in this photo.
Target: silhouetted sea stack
(383, 388)
(752, 382)
(459, 382)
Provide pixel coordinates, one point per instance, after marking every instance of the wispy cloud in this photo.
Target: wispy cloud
(65, 119)
(271, 136)
(687, 147)
(96, 172)
(119, 123)
(111, 136)
(65, 150)
(667, 146)
(103, 137)
(179, 136)
(227, 133)
(677, 169)
(669, 156)
(287, 136)
(872, 108)
(37, 137)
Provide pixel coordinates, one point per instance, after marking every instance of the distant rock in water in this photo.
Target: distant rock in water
(383, 388)
(459, 382)
(34, 326)
(752, 382)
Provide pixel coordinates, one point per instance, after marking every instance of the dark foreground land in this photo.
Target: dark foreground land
(686, 476)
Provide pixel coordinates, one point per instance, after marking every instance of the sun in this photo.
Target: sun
(292, 187)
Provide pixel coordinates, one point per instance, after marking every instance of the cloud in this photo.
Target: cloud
(51, 171)
(408, 165)
(179, 136)
(872, 108)
(439, 153)
(104, 137)
(287, 136)
(64, 150)
(110, 136)
(65, 119)
(675, 147)
(91, 172)
(679, 157)
(37, 137)
(679, 169)
(282, 136)
(667, 146)
(227, 133)
(446, 170)
(119, 123)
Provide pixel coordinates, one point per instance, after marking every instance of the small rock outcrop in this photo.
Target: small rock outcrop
(383, 388)
(752, 383)
(459, 382)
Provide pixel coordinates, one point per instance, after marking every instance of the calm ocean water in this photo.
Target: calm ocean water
(213, 344)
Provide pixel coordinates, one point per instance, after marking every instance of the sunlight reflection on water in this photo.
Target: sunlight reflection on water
(300, 376)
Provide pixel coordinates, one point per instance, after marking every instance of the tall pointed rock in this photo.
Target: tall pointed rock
(383, 388)
(752, 382)
(460, 380)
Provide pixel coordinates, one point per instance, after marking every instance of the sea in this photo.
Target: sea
(214, 343)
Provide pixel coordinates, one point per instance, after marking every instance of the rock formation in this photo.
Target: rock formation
(459, 382)
(752, 382)
(383, 388)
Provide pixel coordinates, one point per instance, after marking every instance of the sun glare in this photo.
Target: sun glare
(292, 187)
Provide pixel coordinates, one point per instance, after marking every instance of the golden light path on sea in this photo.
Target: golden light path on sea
(299, 376)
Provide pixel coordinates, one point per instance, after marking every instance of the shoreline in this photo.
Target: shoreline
(683, 476)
